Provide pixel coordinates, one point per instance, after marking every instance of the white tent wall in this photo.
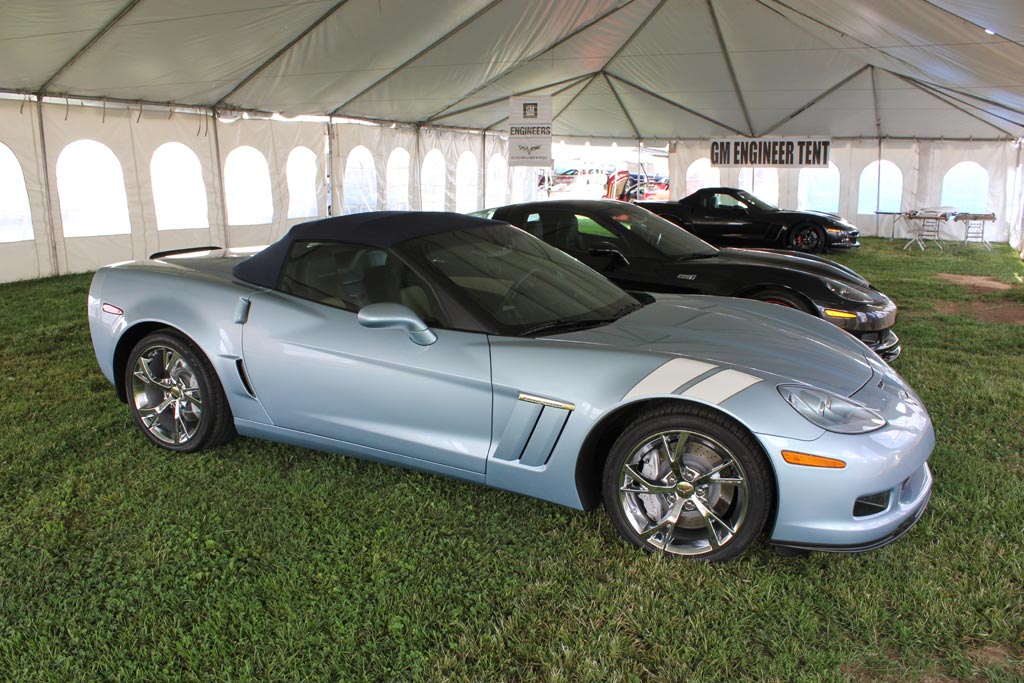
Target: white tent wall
(923, 165)
(19, 132)
(64, 125)
(150, 131)
(383, 140)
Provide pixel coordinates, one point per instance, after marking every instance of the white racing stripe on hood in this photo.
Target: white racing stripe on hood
(721, 386)
(668, 377)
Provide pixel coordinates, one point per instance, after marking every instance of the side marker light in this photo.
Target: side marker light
(832, 313)
(112, 309)
(794, 458)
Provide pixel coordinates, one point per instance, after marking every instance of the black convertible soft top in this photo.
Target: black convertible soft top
(380, 229)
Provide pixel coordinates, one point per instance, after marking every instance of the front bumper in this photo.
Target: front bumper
(822, 508)
(885, 343)
(841, 239)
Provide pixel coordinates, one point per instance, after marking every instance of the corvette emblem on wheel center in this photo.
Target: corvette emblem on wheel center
(685, 488)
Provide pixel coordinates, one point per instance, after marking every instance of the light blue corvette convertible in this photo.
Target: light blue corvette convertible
(468, 348)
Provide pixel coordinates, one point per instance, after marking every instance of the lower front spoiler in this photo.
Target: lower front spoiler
(903, 528)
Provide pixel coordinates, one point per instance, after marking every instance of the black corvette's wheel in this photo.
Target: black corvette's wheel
(685, 481)
(175, 396)
(808, 238)
(782, 298)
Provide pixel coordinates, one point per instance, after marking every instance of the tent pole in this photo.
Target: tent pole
(481, 197)
(220, 182)
(330, 168)
(54, 262)
(878, 181)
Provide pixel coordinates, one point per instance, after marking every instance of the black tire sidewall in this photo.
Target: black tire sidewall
(817, 248)
(205, 377)
(757, 471)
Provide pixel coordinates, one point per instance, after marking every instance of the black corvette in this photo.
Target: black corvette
(725, 216)
(641, 251)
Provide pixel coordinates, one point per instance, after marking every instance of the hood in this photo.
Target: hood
(807, 263)
(750, 335)
(833, 220)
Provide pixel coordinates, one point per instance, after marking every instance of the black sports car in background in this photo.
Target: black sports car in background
(725, 216)
(641, 251)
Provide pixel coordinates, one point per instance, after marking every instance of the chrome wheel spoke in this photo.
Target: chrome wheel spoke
(710, 520)
(675, 455)
(193, 397)
(642, 484)
(144, 373)
(171, 359)
(666, 525)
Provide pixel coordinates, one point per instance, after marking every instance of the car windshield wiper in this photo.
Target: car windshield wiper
(568, 325)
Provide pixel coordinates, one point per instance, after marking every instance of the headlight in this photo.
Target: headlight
(831, 411)
(849, 292)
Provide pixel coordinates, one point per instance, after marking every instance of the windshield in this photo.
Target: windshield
(667, 238)
(754, 201)
(516, 280)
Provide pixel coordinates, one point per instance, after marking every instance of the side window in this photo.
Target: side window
(350, 276)
(727, 201)
(572, 232)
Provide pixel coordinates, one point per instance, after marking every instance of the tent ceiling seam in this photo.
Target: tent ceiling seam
(968, 21)
(484, 10)
(633, 35)
(622, 105)
(573, 80)
(280, 53)
(814, 101)
(728, 64)
(517, 65)
(925, 89)
(572, 100)
(673, 103)
(92, 41)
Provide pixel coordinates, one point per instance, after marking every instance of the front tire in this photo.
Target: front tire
(807, 238)
(782, 297)
(686, 481)
(175, 396)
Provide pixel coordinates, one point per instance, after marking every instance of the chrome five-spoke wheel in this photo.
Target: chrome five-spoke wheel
(687, 484)
(166, 395)
(175, 396)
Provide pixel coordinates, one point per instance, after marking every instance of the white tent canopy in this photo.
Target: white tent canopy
(651, 69)
(132, 126)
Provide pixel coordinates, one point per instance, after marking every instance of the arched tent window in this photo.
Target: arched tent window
(179, 194)
(869, 199)
(90, 185)
(965, 186)
(763, 183)
(15, 213)
(398, 180)
(249, 198)
(301, 173)
(467, 184)
(818, 189)
(433, 182)
(497, 181)
(360, 182)
(701, 174)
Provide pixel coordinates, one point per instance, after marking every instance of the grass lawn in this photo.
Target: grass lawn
(121, 562)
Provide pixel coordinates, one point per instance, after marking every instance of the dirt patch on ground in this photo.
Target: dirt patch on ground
(976, 282)
(985, 312)
(996, 657)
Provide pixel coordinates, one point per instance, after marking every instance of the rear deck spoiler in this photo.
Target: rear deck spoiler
(186, 250)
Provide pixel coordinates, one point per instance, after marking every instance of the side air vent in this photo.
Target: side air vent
(533, 430)
(240, 366)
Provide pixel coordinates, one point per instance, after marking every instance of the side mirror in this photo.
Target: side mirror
(396, 316)
(604, 248)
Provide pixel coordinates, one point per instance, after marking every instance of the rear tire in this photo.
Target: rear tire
(687, 481)
(175, 395)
